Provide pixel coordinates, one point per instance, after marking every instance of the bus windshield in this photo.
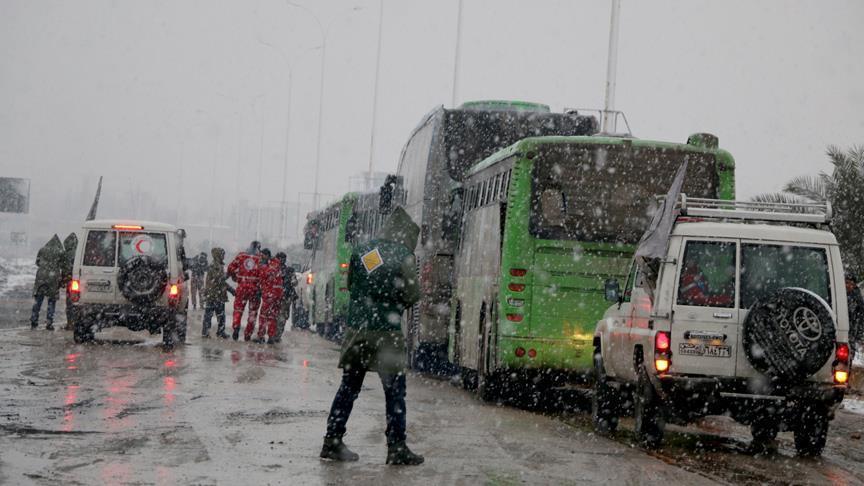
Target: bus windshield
(605, 193)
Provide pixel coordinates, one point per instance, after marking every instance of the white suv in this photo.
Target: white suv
(129, 273)
(746, 316)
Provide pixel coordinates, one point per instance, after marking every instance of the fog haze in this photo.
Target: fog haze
(181, 104)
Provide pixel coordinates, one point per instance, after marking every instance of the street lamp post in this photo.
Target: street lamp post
(283, 215)
(375, 95)
(324, 32)
(457, 55)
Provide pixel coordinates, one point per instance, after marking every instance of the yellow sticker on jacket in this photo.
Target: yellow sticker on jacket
(372, 260)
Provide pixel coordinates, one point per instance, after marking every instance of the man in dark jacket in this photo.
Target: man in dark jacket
(198, 267)
(382, 279)
(215, 294)
(50, 263)
(289, 295)
(70, 245)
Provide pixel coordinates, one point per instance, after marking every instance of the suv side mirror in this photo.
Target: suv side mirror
(612, 290)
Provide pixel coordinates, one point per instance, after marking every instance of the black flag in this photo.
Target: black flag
(92, 214)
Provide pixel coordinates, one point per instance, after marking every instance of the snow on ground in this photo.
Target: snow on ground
(854, 405)
(16, 273)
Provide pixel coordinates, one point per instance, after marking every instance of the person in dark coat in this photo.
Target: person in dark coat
(215, 294)
(70, 245)
(382, 279)
(855, 307)
(289, 294)
(198, 268)
(50, 263)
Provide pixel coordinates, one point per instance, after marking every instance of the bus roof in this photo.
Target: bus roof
(532, 143)
(505, 105)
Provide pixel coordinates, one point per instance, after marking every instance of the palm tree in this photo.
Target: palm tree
(844, 189)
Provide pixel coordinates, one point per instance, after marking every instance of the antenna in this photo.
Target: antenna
(92, 214)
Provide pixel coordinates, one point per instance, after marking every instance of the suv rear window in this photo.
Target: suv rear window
(766, 268)
(100, 249)
(708, 275)
(133, 244)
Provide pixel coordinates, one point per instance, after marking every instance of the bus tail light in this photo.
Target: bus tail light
(519, 352)
(532, 353)
(515, 317)
(75, 290)
(841, 364)
(518, 272)
(662, 351)
(343, 289)
(515, 302)
(309, 279)
(516, 287)
(343, 265)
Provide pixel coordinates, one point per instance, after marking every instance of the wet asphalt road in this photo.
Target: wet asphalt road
(221, 412)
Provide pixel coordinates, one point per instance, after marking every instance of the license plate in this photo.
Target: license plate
(718, 351)
(97, 286)
(708, 350)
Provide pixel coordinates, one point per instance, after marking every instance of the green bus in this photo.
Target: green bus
(438, 154)
(331, 233)
(544, 223)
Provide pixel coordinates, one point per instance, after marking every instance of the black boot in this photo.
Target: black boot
(33, 325)
(222, 334)
(399, 454)
(236, 334)
(336, 450)
(49, 326)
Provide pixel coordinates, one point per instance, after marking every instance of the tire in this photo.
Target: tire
(604, 400)
(648, 413)
(174, 331)
(142, 279)
(764, 431)
(489, 387)
(83, 331)
(789, 335)
(811, 432)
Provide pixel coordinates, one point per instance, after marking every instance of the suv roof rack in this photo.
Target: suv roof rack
(798, 212)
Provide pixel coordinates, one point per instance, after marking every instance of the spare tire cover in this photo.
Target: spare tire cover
(142, 279)
(789, 334)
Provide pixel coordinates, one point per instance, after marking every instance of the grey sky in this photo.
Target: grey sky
(134, 90)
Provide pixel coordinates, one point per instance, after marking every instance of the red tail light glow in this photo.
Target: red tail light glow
(532, 353)
(343, 265)
(516, 287)
(661, 341)
(843, 352)
(518, 272)
(128, 227)
(519, 352)
(515, 317)
(75, 290)
(174, 291)
(309, 279)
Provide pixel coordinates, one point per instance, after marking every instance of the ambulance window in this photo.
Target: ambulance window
(708, 274)
(100, 249)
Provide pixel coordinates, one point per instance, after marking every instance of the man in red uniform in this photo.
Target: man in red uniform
(244, 270)
(270, 278)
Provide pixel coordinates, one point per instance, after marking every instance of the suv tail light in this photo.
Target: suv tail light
(75, 290)
(173, 295)
(841, 364)
(309, 279)
(662, 351)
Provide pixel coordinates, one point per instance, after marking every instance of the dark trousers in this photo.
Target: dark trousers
(210, 309)
(349, 389)
(37, 306)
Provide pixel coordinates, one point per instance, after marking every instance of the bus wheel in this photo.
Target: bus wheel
(488, 386)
